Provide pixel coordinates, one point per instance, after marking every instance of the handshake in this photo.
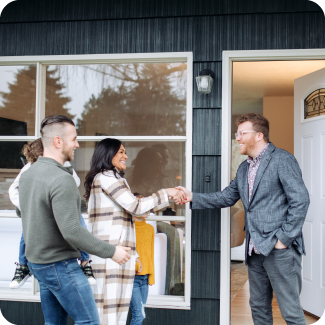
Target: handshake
(180, 194)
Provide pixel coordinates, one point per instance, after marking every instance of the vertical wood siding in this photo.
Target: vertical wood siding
(207, 128)
(206, 36)
(62, 10)
(212, 100)
(57, 27)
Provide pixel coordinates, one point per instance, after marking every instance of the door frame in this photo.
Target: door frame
(228, 57)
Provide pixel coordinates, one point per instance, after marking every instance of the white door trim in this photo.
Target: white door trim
(228, 57)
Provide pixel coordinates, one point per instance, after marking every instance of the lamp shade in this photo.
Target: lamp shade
(205, 81)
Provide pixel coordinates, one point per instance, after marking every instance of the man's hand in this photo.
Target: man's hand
(279, 245)
(188, 194)
(121, 255)
(177, 195)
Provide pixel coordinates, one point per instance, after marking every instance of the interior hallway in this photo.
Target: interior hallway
(241, 312)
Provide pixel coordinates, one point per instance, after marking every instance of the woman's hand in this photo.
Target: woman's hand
(140, 267)
(188, 194)
(178, 196)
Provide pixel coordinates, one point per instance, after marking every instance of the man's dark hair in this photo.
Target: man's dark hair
(53, 119)
(259, 122)
(53, 126)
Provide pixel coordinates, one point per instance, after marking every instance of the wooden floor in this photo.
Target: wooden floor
(241, 311)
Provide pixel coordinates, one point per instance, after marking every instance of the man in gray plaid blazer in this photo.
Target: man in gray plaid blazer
(275, 199)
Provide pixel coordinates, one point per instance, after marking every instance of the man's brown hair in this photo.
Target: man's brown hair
(260, 123)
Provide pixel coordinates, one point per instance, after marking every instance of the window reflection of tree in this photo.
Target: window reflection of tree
(141, 99)
(19, 103)
(17, 112)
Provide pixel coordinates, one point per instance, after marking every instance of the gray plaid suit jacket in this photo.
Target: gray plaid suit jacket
(278, 205)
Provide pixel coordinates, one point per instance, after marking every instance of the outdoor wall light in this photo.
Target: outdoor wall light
(204, 81)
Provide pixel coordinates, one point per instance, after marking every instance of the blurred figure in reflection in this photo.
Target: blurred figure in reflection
(163, 150)
(147, 175)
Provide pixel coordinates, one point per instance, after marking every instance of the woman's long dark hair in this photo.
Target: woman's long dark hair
(101, 161)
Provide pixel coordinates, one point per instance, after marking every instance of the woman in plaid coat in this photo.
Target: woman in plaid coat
(111, 205)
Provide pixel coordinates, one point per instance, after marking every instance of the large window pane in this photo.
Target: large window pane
(11, 162)
(17, 100)
(150, 167)
(120, 99)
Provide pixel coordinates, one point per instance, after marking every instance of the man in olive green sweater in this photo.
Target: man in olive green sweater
(50, 212)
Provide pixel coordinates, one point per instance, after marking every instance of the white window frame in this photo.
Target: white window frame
(228, 57)
(169, 302)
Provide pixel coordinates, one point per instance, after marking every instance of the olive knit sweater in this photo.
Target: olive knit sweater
(145, 235)
(50, 212)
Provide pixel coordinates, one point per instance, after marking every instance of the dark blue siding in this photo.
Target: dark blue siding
(62, 10)
(206, 36)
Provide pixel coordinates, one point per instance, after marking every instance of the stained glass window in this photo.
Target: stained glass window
(315, 104)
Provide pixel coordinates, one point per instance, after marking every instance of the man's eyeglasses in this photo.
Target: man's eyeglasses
(241, 133)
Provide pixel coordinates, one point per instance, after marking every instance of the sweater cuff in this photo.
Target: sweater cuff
(151, 279)
(111, 251)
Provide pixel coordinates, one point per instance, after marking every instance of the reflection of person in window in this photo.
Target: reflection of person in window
(147, 175)
(110, 206)
(163, 150)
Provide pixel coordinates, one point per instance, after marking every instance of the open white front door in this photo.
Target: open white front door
(309, 149)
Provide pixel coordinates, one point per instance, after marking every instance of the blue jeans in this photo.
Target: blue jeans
(22, 257)
(139, 299)
(65, 290)
(280, 272)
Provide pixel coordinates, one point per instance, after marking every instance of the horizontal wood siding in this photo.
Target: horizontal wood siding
(206, 28)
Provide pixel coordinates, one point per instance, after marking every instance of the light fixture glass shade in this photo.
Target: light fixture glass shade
(204, 84)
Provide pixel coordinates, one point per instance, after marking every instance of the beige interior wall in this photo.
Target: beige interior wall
(279, 111)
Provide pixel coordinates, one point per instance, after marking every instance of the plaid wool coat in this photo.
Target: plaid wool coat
(110, 208)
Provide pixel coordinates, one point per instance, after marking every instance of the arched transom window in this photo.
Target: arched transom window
(315, 103)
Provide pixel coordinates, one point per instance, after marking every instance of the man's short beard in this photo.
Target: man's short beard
(250, 144)
(67, 155)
